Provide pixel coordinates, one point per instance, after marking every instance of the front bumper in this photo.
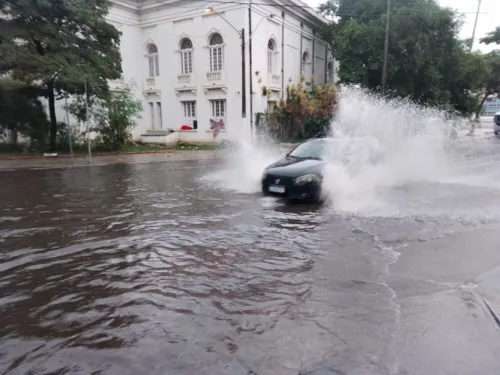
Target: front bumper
(308, 191)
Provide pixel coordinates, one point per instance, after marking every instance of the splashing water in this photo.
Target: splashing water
(420, 171)
(409, 140)
(244, 164)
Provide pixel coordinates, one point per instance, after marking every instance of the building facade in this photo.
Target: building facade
(185, 62)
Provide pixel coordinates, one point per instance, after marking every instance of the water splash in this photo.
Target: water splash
(244, 163)
(421, 172)
(409, 140)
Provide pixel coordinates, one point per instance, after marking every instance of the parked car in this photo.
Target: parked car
(299, 175)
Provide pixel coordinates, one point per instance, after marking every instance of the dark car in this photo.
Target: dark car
(299, 175)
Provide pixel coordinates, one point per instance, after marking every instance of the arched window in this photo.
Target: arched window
(216, 52)
(329, 73)
(186, 56)
(154, 61)
(272, 57)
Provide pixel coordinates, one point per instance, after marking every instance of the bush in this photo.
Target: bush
(118, 118)
(304, 113)
(63, 140)
(10, 148)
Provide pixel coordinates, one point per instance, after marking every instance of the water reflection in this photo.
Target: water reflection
(143, 269)
(124, 256)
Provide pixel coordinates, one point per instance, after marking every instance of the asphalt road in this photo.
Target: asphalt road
(182, 267)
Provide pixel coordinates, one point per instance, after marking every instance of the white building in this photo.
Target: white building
(186, 63)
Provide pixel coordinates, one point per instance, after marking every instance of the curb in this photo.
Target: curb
(65, 156)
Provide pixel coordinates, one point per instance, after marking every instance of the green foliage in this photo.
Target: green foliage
(492, 37)
(426, 63)
(118, 118)
(57, 45)
(305, 112)
(22, 112)
(491, 82)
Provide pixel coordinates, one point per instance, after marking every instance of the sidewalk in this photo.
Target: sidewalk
(133, 158)
(479, 133)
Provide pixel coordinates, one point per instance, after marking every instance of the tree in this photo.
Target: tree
(117, 118)
(492, 37)
(58, 45)
(491, 82)
(21, 111)
(427, 62)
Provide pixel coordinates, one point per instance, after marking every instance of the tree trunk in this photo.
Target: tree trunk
(478, 112)
(53, 119)
(13, 137)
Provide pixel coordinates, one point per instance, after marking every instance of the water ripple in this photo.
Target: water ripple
(144, 270)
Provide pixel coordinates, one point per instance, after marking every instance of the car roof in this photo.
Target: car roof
(345, 139)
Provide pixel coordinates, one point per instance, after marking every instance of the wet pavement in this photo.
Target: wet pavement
(145, 267)
(66, 162)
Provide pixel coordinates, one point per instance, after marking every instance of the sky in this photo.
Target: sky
(489, 18)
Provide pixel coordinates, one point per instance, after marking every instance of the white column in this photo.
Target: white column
(158, 115)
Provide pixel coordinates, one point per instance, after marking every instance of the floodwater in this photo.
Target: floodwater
(183, 268)
(147, 268)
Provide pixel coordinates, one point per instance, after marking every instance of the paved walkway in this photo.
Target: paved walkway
(65, 162)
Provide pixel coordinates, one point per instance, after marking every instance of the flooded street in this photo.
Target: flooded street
(148, 268)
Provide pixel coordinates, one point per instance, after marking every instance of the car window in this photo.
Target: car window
(337, 149)
(308, 150)
(497, 119)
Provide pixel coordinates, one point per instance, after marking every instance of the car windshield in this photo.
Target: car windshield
(337, 149)
(309, 150)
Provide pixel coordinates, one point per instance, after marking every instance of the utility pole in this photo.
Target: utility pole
(250, 82)
(243, 80)
(87, 120)
(386, 46)
(68, 127)
(475, 25)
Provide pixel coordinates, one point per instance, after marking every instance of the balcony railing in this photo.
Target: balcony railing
(184, 79)
(274, 80)
(151, 84)
(117, 84)
(216, 78)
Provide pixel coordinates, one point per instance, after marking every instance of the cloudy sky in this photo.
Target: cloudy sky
(489, 17)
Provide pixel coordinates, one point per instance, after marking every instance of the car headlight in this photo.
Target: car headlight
(308, 178)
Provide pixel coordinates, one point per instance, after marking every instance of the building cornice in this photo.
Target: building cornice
(122, 20)
(305, 33)
(183, 14)
(125, 4)
(302, 11)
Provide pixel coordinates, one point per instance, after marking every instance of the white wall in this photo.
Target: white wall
(165, 25)
(294, 36)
